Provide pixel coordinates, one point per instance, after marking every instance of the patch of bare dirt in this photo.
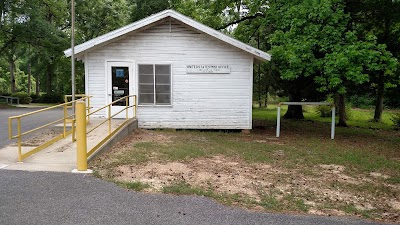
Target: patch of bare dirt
(217, 173)
(316, 187)
(141, 135)
(233, 176)
(41, 138)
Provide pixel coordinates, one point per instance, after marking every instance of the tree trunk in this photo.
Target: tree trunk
(29, 78)
(259, 86)
(37, 84)
(12, 74)
(294, 111)
(266, 94)
(342, 111)
(379, 98)
(50, 74)
(259, 73)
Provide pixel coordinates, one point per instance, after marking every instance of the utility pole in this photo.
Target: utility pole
(73, 53)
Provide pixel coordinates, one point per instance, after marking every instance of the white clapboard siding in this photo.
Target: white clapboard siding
(199, 101)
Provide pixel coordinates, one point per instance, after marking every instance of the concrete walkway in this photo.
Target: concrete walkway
(59, 157)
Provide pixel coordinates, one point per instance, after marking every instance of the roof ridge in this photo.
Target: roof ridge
(159, 16)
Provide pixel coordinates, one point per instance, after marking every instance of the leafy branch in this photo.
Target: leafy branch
(258, 14)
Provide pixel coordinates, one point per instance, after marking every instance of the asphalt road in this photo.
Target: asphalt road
(28, 123)
(64, 198)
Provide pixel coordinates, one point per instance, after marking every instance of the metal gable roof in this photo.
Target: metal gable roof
(261, 55)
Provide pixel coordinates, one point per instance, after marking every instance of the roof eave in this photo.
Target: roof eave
(117, 33)
(159, 16)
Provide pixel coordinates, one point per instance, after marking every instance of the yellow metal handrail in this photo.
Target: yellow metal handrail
(19, 135)
(109, 117)
(79, 96)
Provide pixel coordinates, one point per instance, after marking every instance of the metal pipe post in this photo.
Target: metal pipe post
(109, 119)
(126, 106)
(88, 108)
(19, 141)
(134, 106)
(65, 121)
(278, 122)
(333, 124)
(81, 141)
(9, 128)
(73, 53)
(73, 129)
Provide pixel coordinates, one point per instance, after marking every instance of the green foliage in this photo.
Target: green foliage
(396, 121)
(144, 8)
(349, 111)
(24, 97)
(4, 85)
(51, 98)
(392, 99)
(361, 101)
(312, 38)
(35, 97)
(136, 186)
(98, 17)
(359, 118)
(324, 110)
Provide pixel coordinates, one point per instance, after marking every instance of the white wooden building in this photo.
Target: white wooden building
(185, 74)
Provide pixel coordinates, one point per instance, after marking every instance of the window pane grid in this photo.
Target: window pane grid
(155, 88)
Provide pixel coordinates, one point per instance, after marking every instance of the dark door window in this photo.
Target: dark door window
(120, 84)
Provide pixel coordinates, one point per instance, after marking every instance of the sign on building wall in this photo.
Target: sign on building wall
(197, 69)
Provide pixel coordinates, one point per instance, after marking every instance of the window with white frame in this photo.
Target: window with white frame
(154, 84)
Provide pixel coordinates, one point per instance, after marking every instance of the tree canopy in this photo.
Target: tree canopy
(319, 47)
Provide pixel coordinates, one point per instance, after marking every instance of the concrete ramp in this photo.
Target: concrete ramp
(61, 156)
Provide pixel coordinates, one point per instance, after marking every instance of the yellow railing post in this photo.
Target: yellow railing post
(134, 106)
(19, 140)
(65, 121)
(81, 141)
(73, 130)
(126, 105)
(109, 119)
(88, 109)
(73, 125)
(10, 128)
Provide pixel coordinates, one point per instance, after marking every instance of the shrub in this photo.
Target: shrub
(324, 110)
(24, 98)
(51, 98)
(35, 97)
(396, 120)
(362, 101)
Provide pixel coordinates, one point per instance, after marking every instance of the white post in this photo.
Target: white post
(333, 124)
(278, 122)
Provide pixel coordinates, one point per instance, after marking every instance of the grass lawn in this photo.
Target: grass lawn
(304, 171)
(358, 117)
(5, 106)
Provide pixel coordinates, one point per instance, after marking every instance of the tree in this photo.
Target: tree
(94, 18)
(382, 18)
(144, 8)
(314, 41)
(35, 23)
